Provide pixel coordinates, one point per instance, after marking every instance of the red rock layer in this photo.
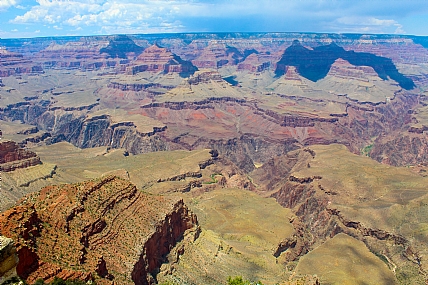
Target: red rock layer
(157, 59)
(103, 229)
(342, 68)
(14, 63)
(13, 157)
(254, 63)
(217, 54)
(84, 55)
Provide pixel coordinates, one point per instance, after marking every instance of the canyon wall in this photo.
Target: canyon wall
(13, 157)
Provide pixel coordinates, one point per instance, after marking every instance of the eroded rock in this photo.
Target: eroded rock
(103, 229)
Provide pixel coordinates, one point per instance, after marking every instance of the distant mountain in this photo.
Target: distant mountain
(120, 45)
(315, 64)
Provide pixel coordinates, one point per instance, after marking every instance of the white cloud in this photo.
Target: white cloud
(145, 16)
(107, 15)
(5, 4)
(355, 24)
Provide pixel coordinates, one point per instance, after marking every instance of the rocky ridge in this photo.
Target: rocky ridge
(13, 157)
(94, 218)
(157, 59)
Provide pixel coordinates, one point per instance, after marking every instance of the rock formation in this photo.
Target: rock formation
(157, 59)
(104, 229)
(218, 54)
(13, 157)
(254, 63)
(88, 54)
(315, 64)
(13, 63)
(354, 90)
(121, 46)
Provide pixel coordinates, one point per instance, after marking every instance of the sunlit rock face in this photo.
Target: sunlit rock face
(157, 59)
(78, 231)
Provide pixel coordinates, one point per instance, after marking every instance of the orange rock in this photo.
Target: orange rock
(104, 228)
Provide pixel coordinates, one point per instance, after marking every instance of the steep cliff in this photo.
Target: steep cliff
(83, 54)
(79, 232)
(85, 131)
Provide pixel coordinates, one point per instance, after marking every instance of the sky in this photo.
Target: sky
(41, 18)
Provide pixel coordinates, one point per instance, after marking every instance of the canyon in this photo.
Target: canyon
(128, 145)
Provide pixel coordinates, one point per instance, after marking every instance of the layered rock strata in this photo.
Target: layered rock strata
(103, 229)
(255, 63)
(13, 63)
(13, 157)
(157, 59)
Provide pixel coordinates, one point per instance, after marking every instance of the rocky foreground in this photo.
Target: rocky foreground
(103, 229)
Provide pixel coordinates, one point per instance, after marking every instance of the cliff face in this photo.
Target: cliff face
(13, 63)
(83, 55)
(101, 131)
(78, 231)
(157, 59)
(227, 132)
(74, 126)
(13, 157)
(88, 53)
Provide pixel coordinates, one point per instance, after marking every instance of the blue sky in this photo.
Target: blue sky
(38, 18)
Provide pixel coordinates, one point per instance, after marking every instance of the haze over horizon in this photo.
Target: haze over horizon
(42, 18)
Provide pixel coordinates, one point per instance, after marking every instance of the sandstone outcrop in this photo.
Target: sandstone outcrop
(218, 53)
(13, 157)
(255, 63)
(295, 116)
(158, 59)
(104, 229)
